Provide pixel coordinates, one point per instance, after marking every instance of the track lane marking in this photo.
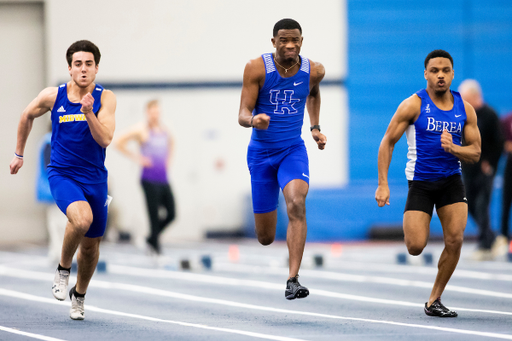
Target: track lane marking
(28, 297)
(154, 273)
(32, 335)
(144, 290)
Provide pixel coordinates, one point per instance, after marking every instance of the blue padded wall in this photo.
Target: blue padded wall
(388, 42)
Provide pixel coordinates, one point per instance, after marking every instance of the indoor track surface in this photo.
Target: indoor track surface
(357, 292)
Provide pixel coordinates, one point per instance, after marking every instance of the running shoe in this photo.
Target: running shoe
(77, 311)
(438, 309)
(60, 284)
(294, 289)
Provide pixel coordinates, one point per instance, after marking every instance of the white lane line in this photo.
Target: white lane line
(363, 279)
(124, 270)
(144, 290)
(29, 297)
(392, 268)
(187, 276)
(32, 335)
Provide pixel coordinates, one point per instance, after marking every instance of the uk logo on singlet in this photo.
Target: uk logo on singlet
(284, 102)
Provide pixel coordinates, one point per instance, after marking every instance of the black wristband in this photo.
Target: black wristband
(252, 118)
(316, 126)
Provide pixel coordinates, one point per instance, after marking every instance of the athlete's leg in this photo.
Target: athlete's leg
(167, 201)
(295, 195)
(79, 215)
(87, 259)
(266, 226)
(453, 219)
(151, 195)
(481, 203)
(416, 231)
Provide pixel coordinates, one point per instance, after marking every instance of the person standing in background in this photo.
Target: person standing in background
(156, 149)
(503, 239)
(479, 177)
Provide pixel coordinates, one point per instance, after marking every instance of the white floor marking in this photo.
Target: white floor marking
(144, 290)
(29, 297)
(393, 268)
(187, 276)
(32, 335)
(363, 279)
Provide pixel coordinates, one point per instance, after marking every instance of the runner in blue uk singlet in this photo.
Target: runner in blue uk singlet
(275, 91)
(427, 159)
(278, 155)
(284, 100)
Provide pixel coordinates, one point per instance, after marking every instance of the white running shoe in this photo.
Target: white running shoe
(500, 246)
(60, 284)
(77, 311)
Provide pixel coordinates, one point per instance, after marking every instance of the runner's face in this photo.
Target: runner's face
(439, 74)
(287, 44)
(83, 69)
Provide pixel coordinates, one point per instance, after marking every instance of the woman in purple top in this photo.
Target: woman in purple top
(155, 153)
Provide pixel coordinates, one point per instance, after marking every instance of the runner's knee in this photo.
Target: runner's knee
(81, 222)
(453, 243)
(415, 248)
(265, 238)
(296, 208)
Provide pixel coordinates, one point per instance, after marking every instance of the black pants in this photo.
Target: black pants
(158, 195)
(478, 191)
(507, 196)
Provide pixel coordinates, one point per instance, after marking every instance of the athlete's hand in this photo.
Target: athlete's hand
(320, 139)
(261, 121)
(145, 161)
(446, 141)
(87, 103)
(486, 167)
(16, 164)
(382, 195)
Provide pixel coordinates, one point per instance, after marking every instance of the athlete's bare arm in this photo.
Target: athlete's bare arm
(313, 102)
(254, 78)
(102, 126)
(407, 112)
(470, 151)
(39, 106)
(136, 133)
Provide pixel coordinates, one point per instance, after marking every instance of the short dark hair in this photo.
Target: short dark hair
(286, 24)
(85, 46)
(437, 54)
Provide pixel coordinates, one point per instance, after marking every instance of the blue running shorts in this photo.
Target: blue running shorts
(66, 191)
(272, 169)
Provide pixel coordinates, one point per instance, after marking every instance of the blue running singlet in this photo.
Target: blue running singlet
(75, 153)
(284, 100)
(427, 159)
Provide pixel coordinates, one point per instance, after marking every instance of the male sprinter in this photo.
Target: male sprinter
(83, 123)
(436, 121)
(276, 88)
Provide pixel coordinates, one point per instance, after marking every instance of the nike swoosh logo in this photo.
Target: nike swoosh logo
(305, 175)
(458, 115)
(299, 83)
